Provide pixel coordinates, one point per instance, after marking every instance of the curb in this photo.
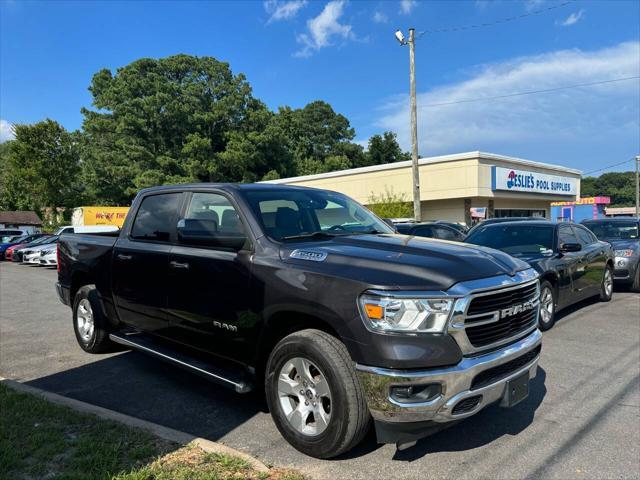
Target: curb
(165, 433)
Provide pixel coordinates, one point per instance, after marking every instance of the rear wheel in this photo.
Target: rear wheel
(89, 324)
(547, 306)
(314, 395)
(606, 289)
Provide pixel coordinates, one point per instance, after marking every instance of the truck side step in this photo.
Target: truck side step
(227, 377)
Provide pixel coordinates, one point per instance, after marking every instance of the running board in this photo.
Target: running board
(234, 379)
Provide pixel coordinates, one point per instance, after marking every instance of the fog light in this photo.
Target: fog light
(415, 393)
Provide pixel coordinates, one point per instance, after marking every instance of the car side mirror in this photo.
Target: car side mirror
(570, 247)
(200, 232)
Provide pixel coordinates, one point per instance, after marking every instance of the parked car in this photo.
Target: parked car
(31, 255)
(308, 294)
(461, 227)
(18, 252)
(624, 235)
(8, 233)
(87, 229)
(437, 230)
(49, 256)
(490, 221)
(6, 249)
(573, 264)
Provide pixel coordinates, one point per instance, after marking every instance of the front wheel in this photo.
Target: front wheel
(547, 306)
(314, 395)
(606, 289)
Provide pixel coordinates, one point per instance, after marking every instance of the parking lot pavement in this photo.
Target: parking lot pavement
(581, 420)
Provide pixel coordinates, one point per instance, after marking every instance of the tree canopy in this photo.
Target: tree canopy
(620, 186)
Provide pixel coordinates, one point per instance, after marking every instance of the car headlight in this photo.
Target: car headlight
(623, 253)
(405, 315)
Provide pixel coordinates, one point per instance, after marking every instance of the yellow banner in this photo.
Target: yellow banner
(104, 215)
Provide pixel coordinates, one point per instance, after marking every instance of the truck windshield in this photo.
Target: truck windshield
(294, 214)
(614, 230)
(515, 239)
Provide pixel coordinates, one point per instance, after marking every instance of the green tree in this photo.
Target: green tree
(620, 186)
(385, 149)
(41, 168)
(172, 120)
(389, 204)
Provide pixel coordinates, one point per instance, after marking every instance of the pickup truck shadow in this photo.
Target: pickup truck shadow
(143, 387)
(490, 424)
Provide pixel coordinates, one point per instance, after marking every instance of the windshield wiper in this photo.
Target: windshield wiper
(312, 235)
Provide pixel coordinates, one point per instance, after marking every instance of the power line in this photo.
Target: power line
(495, 22)
(531, 92)
(608, 167)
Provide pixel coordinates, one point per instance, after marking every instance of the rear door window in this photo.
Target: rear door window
(156, 217)
(566, 235)
(584, 236)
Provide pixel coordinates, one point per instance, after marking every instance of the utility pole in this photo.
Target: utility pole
(637, 185)
(414, 120)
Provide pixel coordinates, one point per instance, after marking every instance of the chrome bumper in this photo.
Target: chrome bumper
(455, 385)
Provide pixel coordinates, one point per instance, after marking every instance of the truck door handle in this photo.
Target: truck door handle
(178, 265)
(122, 256)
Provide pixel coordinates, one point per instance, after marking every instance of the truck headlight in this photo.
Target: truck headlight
(623, 253)
(405, 315)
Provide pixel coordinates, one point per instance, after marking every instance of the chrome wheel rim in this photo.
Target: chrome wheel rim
(84, 320)
(546, 305)
(608, 282)
(305, 396)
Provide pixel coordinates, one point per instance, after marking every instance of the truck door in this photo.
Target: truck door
(209, 278)
(140, 263)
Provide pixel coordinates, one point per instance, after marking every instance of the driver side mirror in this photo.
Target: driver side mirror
(201, 232)
(570, 247)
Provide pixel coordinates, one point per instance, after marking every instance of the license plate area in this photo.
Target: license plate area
(517, 390)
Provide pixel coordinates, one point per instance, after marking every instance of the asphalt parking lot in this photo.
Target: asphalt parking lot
(581, 420)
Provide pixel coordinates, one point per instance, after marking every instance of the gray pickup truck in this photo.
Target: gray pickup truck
(305, 295)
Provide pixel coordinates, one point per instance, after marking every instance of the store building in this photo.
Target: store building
(587, 208)
(452, 187)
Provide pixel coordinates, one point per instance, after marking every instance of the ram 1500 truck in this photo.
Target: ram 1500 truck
(308, 295)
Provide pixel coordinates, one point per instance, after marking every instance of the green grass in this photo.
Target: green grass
(39, 439)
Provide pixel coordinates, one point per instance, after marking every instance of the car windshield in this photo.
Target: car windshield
(515, 239)
(614, 230)
(294, 214)
(41, 240)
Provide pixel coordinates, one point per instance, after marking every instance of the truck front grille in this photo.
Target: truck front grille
(493, 325)
(495, 374)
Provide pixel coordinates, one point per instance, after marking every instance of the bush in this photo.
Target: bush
(389, 204)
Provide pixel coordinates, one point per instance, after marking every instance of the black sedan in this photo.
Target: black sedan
(624, 235)
(573, 264)
(438, 230)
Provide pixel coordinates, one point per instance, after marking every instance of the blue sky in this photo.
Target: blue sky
(344, 52)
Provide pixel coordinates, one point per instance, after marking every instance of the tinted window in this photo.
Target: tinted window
(566, 235)
(213, 213)
(515, 239)
(425, 231)
(445, 233)
(156, 217)
(584, 236)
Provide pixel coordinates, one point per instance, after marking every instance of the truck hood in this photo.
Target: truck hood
(401, 261)
(623, 244)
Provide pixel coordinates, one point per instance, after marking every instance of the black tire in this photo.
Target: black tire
(349, 418)
(635, 286)
(98, 340)
(606, 294)
(547, 289)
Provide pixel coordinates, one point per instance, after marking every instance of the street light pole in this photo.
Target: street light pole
(417, 214)
(637, 185)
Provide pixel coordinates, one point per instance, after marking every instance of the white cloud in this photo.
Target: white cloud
(323, 28)
(572, 19)
(6, 132)
(380, 17)
(585, 119)
(283, 10)
(407, 6)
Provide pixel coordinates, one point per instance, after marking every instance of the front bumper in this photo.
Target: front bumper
(625, 269)
(456, 385)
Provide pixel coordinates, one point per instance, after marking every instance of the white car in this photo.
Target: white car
(49, 256)
(32, 255)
